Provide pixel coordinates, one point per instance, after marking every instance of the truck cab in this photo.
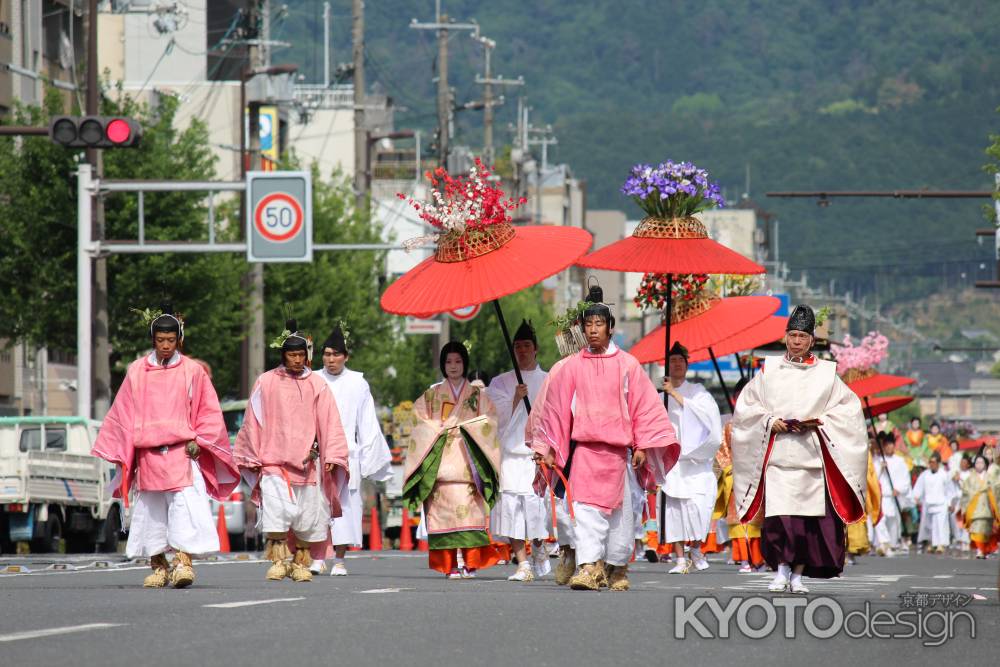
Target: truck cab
(54, 494)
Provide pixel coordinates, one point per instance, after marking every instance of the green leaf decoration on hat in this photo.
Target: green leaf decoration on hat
(280, 340)
(148, 315)
(347, 333)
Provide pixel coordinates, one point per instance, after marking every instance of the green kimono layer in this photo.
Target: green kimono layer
(421, 484)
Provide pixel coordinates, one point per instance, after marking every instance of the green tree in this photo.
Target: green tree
(346, 286)
(488, 352)
(38, 225)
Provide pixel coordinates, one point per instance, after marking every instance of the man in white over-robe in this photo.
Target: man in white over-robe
(934, 492)
(688, 495)
(800, 457)
(368, 452)
(894, 478)
(520, 515)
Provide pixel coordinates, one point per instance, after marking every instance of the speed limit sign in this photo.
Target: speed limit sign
(279, 216)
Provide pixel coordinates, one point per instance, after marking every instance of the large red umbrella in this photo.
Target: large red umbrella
(880, 405)
(763, 333)
(483, 265)
(673, 246)
(876, 384)
(724, 320)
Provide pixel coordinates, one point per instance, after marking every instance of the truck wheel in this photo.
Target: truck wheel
(50, 541)
(111, 530)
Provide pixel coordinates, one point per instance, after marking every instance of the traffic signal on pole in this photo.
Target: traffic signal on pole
(95, 131)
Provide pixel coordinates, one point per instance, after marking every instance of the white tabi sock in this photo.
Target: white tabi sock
(796, 579)
(784, 570)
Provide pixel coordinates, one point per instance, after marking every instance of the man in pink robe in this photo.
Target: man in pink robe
(603, 401)
(293, 452)
(166, 433)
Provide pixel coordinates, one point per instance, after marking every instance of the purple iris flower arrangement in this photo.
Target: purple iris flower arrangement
(672, 189)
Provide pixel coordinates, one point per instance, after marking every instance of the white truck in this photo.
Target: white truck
(53, 493)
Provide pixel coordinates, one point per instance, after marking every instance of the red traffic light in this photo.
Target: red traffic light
(95, 131)
(118, 131)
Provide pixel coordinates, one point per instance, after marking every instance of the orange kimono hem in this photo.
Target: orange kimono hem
(754, 557)
(476, 558)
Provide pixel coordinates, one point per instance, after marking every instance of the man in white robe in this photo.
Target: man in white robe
(520, 515)
(800, 457)
(934, 492)
(688, 495)
(368, 452)
(894, 478)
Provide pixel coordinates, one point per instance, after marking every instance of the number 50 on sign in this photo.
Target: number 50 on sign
(279, 216)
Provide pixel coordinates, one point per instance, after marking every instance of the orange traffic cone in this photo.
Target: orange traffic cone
(405, 536)
(375, 536)
(223, 532)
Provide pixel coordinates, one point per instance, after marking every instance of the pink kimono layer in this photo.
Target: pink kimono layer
(157, 411)
(607, 404)
(285, 415)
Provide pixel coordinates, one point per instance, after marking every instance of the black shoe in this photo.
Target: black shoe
(652, 556)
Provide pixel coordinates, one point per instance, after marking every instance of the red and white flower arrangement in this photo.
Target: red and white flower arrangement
(460, 204)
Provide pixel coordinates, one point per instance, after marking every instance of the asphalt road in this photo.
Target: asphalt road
(392, 610)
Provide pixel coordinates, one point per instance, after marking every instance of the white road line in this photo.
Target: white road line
(35, 634)
(386, 590)
(112, 570)
(944, 576)
(249, 603)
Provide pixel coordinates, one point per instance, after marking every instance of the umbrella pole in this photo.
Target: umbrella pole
(666, 329)
(739, 365)
(510, 348)
(718, 373)
(885, 466)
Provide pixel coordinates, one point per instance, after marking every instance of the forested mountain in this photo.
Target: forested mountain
(809, 94)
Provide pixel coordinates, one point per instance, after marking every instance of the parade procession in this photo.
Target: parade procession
(350, 382)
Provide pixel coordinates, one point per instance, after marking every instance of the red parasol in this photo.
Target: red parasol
(723, 321)
(965, 445)
(876, 384)
(670, 246)
(484, 265)
(680, 245)
(880, 405)
(446, 282)
(763, 333)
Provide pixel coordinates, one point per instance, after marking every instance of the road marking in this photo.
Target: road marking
(249, 603)
(386, 590)
(944, 576)
(35, 634)
(112, 570)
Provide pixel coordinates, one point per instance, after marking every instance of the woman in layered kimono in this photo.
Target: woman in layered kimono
(979, 509)
(452, 468)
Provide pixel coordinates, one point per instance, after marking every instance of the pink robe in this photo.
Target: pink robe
(157, 411)
(607, 404)
(285, 415)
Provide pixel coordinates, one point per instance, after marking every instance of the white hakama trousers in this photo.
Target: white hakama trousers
(608, 536)
(887, 531)
(687, 519)
(565, 530)
(520, 516)
(346, 528)
(179, 520)
(495, 525)
(934, 527)
(303, 510)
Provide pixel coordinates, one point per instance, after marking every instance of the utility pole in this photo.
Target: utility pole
(487, 82)
(545, 140)
(101, 378)
(444, 107)
(326, 44)
(360, 126)
(259, 10)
